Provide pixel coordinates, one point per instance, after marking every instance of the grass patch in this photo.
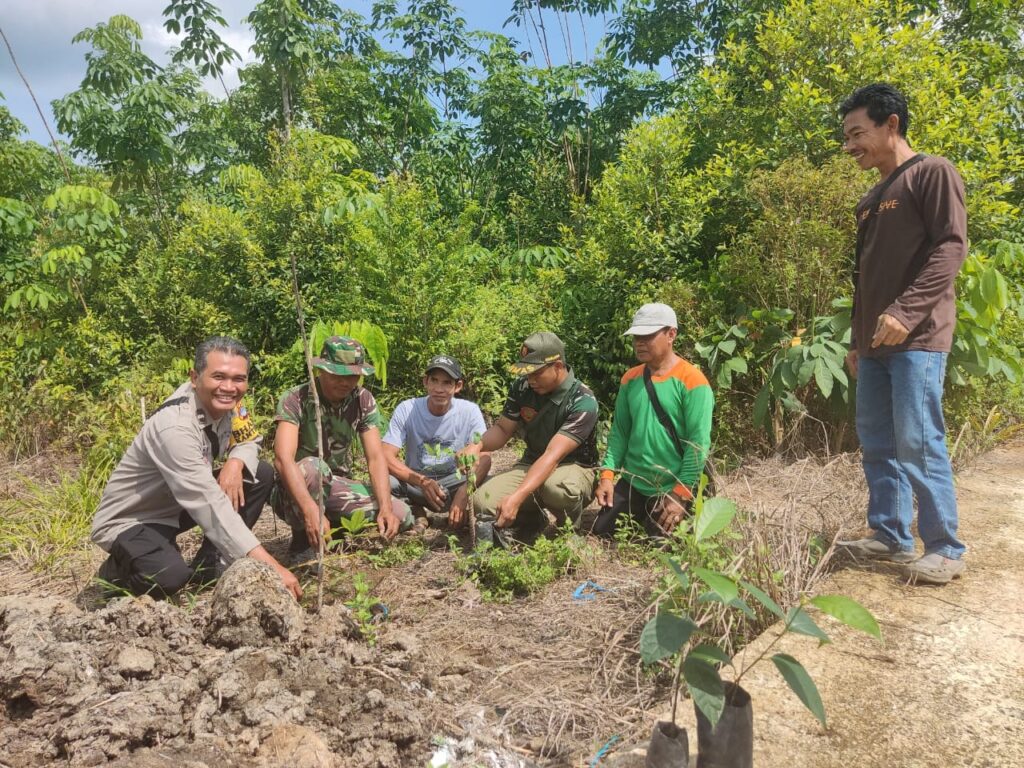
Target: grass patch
(396, 553)
(503, 574)
(46, 526)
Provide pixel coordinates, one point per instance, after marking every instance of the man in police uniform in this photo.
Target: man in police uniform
(165, 483)
(556, 413)
(347, 409)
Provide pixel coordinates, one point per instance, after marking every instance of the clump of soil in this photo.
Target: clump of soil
(238, 677)
(252, 607)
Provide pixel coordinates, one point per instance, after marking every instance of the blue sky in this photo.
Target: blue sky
(40, 32)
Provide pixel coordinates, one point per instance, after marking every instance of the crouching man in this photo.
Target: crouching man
(165, 483)
(347, 409)
(432, 429)
(555, 477)
(661, 431)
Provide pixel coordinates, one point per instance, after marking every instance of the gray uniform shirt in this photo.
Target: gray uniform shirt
(169, 468)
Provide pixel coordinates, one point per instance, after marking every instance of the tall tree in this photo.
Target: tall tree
(290, 35)
(201, 44)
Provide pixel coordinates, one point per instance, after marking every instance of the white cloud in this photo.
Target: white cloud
(40, 31)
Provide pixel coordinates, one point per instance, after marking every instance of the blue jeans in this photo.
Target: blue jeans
(903, 437)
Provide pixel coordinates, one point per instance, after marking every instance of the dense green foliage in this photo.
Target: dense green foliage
(446, 187)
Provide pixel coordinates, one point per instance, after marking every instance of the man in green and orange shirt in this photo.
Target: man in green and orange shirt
(658, 459)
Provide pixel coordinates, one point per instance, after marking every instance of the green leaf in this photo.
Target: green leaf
(761, 403)
(848, 611)
(823, 377)
(722, 585)
(664, 635)
(715, 515)
(705, 685)
(672, 565)
(763, 599)
(712, 654)
(737, 603)
(990, 287)
(738, 364)
(799, 621)
(800, 682)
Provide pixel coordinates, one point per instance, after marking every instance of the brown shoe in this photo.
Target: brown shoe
(934, 569)
(873, 549)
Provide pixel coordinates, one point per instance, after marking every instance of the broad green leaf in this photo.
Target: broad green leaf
(823, 377)
(737, 603)
(763, 599)
(712, 654)
(761, 403)
(722, 585)
(737, 364)
(799, 621)
(705, 685)
(990, 286)
(805, 372)
(715, 515)
(663, 636)
(848, 611)
(797, 678)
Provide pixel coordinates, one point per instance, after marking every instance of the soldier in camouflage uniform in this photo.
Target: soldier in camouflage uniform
(347, 410)
(556, 413)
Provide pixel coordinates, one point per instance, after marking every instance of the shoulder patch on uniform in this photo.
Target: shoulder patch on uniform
(690, 375)
(635, 372)
(242, 428)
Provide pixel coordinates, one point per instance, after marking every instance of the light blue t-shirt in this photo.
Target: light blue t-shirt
(414, 427)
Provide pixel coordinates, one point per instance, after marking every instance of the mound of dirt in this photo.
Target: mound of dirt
(252, 607)
(236, 682)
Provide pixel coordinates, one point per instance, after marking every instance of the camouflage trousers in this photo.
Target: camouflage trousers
(343, 497)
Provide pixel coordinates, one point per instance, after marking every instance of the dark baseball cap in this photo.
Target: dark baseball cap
(447, 364)
(538, 350)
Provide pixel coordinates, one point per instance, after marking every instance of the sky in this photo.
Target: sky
(40, 33)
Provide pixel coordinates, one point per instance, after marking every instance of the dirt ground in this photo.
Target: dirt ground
(241, 677)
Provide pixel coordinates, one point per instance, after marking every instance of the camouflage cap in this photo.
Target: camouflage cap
(344, 356)
(538, 350)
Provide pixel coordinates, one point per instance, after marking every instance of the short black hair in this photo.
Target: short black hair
(881, 100)
(225, 344)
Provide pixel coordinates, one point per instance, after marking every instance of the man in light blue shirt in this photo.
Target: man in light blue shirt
(432, 430)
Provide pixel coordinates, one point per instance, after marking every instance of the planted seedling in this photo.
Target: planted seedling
(671, 632)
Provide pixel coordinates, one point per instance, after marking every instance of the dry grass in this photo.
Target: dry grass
(791, 516)
(553, 677)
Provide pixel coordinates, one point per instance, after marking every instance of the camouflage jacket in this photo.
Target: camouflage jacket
(341, 423)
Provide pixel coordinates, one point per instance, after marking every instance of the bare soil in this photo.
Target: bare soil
(242, 677)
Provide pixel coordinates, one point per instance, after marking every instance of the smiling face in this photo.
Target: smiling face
(440, 389)
(222, 383)
(872, 146)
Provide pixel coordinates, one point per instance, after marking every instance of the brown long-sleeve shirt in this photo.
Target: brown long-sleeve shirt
(914, 245)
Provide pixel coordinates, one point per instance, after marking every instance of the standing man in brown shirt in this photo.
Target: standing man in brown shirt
(911, 242)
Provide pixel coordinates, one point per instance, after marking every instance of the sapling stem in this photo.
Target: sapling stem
(764, 653)
(319, 434)
(675, 685)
